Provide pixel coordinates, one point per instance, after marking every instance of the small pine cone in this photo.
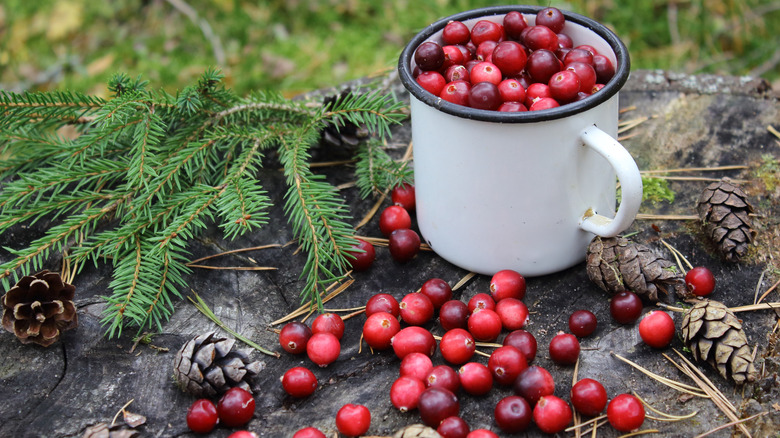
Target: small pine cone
(714, 334)
(616, 264)
(725, 213)
(343, 135)
(416, 431)
(39, 308)
(103, 430)
(207, 365)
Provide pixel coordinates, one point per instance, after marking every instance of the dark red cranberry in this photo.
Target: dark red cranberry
(470, 65)
(533, 383)
(379, 329)
(484, 325)
(416, 309)
(457, 346)
(625, 307)
(383, 302)
(453, 427)
(486, 30)
(484, 95)
(443, 376)
(457, 92)
(507, 283)
(541, 65)
(604, 68)
(543, 104)
(586, 73)
(413, 339)
(582, 323)
(512, 107)
(236, 407)
(467, 54)
(364, 255)
(436, 404)
(403, 195)
(453, 314)
(564, 349)
(455, 32)
(416, 365)
(588, 397)
(513, 414)
(328, 323)
(564, 86)
(523, 341)
(578, 55)
(513, 313)
(438, 291)
(552, 414)
(475, 378)
(429, 56)
(552, 18)
(481, 301)
(514, 23)
(540, 37)
(405, 392)
(506, 363)
(294, 336)
(404, 244)
(432, 81)
(509, 57)
(456, 73)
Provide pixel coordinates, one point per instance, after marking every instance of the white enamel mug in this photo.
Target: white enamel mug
(524, 191)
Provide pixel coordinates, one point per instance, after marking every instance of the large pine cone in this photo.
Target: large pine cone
(39, 308)
(207, 365)
(616, 264)
(714, 334)
(725, 213)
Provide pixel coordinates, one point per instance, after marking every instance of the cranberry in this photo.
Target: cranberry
(328, 323)
(523, 341)
(394, 218)
(585, 73)
(536, 91)
(438, 291)
(700, 281)
(453, 427)
(363, 255)
(429, 56)
(416, 309)
(481, 301)
(403, 195)
(457, 346)
(588, 397)
(299, 382)
(475, 378)
(486, 30)
(604, 68)
(552, 414)
(484, 325)
(552, 18)
(625, 413)
(543, 104)
(514, 23)
(470, 66)
(540, 38)
(432, 81)
(513, 414)
(456, 73)
(443, 376)
(485, 52)
(510, 107)
(466, 51)
(582, 323)
(236, 407)
(379, 329)
(202, 416)
(405, 392)
(564, 41)
(513, 313)
(564, 349)
(323, 348)
(457, 92)
(454, 314)
(413, 339)
(533, 383)
(485, 72)
(509, 57)
(564, 86)
(416, 365)
(507, 283)
(309, 432)
(243, 434)
(596, 88)
(436, 404)
(657, 329)
(506, 363)
(404, 244)
(511, 90)
(383, 303)
(294, 336)
(482, 433)
(452, 56)
(455, 32)
(578, 55)
(353, 420)
(542, 64)
(625, 307)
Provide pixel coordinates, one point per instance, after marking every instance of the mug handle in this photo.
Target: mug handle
(630, 184)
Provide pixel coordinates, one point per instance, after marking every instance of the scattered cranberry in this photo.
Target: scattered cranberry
(523, 341)
(443, 376)
(457, 346)
(382, 302)
(438, 290)
(413, 339)
(513, 313)
(533, 383)
(657, 329)
(454, 314)
(429, 56)
(405, 392)
(403, 196)
(394, 218)
(513, 414)
(202, 416)
(404, 244)
(323, 348)
(506, 363)
(552, 414)
(481, 433)
(299, 382)
(475, 378)
(625, 307)
(582, 323)
(243, 434)
(552, 18)
(625, 413)
(353, 420)
(379, 329)
(436, 404)
(309, 432)
(416, 308)
(416, 365)
(588, 397)
(364, 255)
(507, 284)
(485, 325)
(294, 336)
(236, 407)
(328, 323)
(481, 301)
(453, 427)
(455, 32)
(564, 349)
(700, 281)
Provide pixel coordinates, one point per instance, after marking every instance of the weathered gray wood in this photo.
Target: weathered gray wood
(694, 121)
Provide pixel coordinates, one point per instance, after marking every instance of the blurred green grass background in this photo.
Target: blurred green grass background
(294, 46)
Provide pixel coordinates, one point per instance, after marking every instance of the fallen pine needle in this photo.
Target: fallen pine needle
(774, 131)
(585, 423)
(688, 389)
(696, 169)
(666, 217)
(463, 280)
(678, 255)
(234, 268)
(639, 432)
(234, 251)
(733, 423)
(113, 421)
(774, 286)
(339, 287)
(667, 417)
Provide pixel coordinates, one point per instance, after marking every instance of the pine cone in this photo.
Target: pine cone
(349, 134)
(207, 365)
(616, 264)
(39, 308)
(725, 213)
(714, 334)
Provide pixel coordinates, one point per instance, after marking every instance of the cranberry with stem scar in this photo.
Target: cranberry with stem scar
(379, 329)
(405, 392)
(700, 281)
(294, 336)
(456, 92)
(543, 104)
(508, 283)
(533, 383)
(481, 301)
(551, 17)
(585, 73)
(457, 346)
(564, 85)
(485, 72)
(552, 414)
(443, 376)
(506, 363)
(416, 308)
(456, 73)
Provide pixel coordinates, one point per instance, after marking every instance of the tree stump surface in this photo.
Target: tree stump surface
(682, 121)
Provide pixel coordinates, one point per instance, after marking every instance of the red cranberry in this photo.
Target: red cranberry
(403, 195)
(585, 73)
(323, 348)
(482, 433)
(485, 72)
(589, 48)
(511, 90)
(509, 57)
(514, 23)
(404, 244)
(416, 365)
(294, 336)
(543, 104)
(383, 303)
(604, 68)
(564, 85)
(552, 18)
(405, 392)
(436, 404)
(486, 30)
(429, 56)
(443, 376)
(475, 378)
(485, 325)
(507, 283)
(438, 291)
(552, 414)
(328, 323)
(364, 255)
(542, 64)
(394, 218)
(485, 52)
(506, 363)
(353, 420)
(541, 38)
(379, 329)
(242, 434)
(413, 339)
(700, 281)
(533, 383)
(564, 41)
(582, 323)
(309, 432)
(236, 407)
(536, 91)
(299, 382)
(588, 397)
(432, 81)
(416, 309)
(481, 301)
(657, 329)
(578, 55)
(625, 307)
(202, 416)
(523, 341)
(454, 314)
(513, 414)
(457, 92)
(625, 413)
(453, 427)
(596, 88)
(513, 313)
(456, 73)
(452, 56)
(457, 346)
(455, 32)
(512, 107)
(564, 349)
